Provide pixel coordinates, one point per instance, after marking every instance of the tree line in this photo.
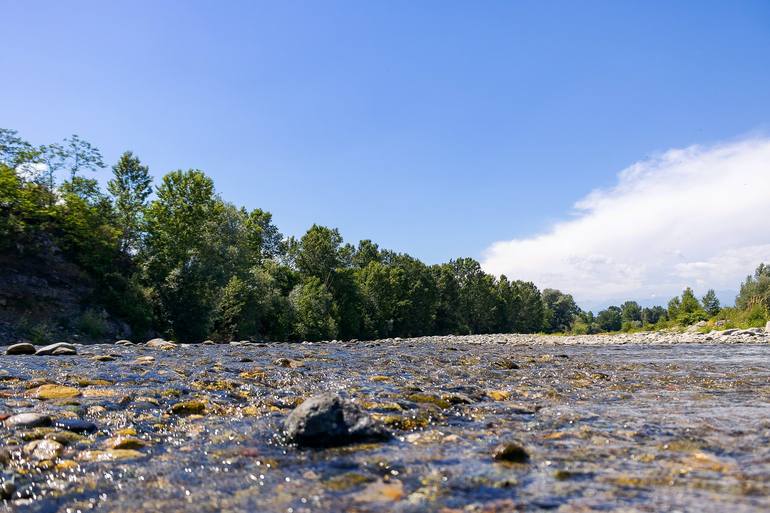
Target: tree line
(185, 263)
(188, 265)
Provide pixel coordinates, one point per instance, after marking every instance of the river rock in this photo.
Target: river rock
(124, 342)
(159, 343)
(44, 449)
(5, 456)
(21, 348)
(76, 425)
(511, 452)
(51, 391)
(7, 487)
(192, 407)
(53, 348)
(327, 420)
(28, 420)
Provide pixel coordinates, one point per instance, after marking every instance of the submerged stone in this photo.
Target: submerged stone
(189, 408)
(125, 442)
(109, 455)
(511, 452)
(76, 425)
(327, 420)
(44, 449)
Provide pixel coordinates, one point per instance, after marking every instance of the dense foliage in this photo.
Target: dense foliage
(188, 265)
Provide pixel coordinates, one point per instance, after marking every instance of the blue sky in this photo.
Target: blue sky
(434, 128)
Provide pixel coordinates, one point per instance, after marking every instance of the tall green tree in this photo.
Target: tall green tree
(15, 151)
(531, 316)
(177, 254)
(755, 290)
(560, 309)
(610, 319)
(631, 312)
(264, 237)
(651, 315)
(317, 253)
(313, 304)
(80, 155)
(478, 295)
(130, 187)
(448, 316)
(711, 303)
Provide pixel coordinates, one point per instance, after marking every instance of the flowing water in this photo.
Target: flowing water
(621, 428)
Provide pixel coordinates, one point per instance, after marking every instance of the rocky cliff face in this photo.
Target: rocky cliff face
(44, 298)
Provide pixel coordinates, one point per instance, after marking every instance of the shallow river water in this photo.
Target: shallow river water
(624, 428)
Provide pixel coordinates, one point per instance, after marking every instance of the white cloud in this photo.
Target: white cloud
(698, 216)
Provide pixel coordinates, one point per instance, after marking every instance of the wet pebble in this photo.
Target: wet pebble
(76, 425)
(7, 486)
(109, 455)
(44, 449)
(28, 420)
(506, 364)
(511, 452)
(125, 442)
(189, 408)
(21, 348)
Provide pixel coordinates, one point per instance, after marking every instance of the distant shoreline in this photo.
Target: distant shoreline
(731, 336)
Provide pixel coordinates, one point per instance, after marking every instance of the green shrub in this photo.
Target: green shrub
(756, 316)
(40, 333)
(580, 328)
(93, 323)
(629, 326)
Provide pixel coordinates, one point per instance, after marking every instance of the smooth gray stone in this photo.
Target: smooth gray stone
(49, 350)
(21, 348)
(28, 420)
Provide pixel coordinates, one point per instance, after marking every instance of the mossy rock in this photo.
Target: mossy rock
(52, 392)
(347, 481)
(193, 407)
(429, 399)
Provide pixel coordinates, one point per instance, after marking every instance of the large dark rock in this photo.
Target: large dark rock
(327, 420)
(76, 425)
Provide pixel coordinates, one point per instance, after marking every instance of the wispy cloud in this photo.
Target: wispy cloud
(698, 216)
